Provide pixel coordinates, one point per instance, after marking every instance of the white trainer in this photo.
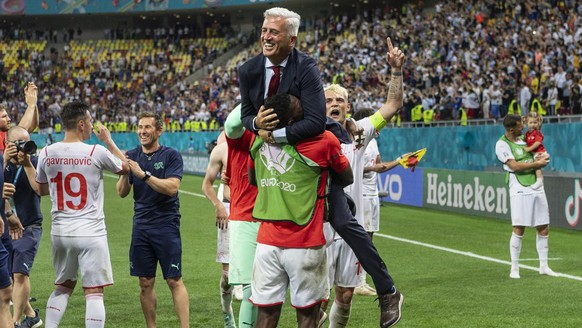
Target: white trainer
(514, 273)
(238, 292)
(362, 290)
(545, 270)
(370, 288)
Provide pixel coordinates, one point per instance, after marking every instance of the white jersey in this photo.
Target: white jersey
(74, 172)
(370, 187)
(356, 159)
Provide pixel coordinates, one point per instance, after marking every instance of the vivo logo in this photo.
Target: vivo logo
(391, 185)
(572, 205)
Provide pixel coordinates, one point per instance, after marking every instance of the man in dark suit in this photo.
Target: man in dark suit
(298, 75)
(282, 69)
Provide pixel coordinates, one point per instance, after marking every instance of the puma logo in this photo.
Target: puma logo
(177, 266)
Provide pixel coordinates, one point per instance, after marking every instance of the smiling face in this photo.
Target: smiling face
(276, 40)
(336, 106)
(533, 123)
(148, 132)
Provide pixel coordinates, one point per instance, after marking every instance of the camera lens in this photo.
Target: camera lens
(27, 147)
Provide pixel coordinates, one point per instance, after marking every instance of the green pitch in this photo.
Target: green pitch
(452, 269)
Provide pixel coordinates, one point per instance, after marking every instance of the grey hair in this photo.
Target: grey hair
(293, 18)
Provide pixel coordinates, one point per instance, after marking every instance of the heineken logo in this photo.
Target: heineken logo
(472, 194)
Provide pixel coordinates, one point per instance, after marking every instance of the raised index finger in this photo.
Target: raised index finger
(389, 42)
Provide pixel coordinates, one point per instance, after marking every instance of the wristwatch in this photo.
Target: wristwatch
(270, 138)
(146, 176)
(9, 213)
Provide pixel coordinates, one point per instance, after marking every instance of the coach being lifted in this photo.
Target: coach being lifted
(282, 69)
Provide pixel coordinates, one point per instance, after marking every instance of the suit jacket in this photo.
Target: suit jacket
(301, 78)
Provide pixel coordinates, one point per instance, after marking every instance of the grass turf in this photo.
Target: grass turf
(433, 257)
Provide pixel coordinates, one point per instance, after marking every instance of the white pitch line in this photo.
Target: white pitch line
(191, 193)
(181, 191)
(470, 254)
(414, 242)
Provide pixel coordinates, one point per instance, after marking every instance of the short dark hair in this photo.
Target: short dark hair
(287, 107)
(510, 121)
(156, 116)
(72, 113)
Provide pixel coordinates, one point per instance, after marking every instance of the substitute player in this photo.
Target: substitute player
(243, 228)
(292, 182)
(529, 206)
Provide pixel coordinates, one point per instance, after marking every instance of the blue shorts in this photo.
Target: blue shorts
(148, 247)
(25, 249)
(7, 242)
(4, 264)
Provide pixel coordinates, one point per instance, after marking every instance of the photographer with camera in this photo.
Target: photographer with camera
(29, 119)
(24, 220)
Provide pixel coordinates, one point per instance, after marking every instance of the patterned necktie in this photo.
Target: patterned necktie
(275, 80)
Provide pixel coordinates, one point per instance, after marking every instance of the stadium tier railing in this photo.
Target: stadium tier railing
(489, 121)
(449, 147)
(190, 142)
(473, 147)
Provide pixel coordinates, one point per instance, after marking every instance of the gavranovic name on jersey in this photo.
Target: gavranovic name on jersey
(68, 161)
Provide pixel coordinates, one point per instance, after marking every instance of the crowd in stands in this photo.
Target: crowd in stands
(483, 59)
(466, 60)
(119, 76)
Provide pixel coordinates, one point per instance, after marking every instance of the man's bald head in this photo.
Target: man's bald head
(17, 133)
